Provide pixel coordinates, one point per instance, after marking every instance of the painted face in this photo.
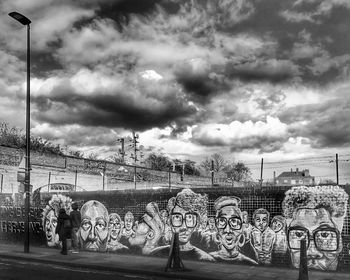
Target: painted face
(211, 223)
(183, 222)
(276, 225)
(245, 218)
(322, 238)
(114, 226)
(139, 238)
(164, 216)
(128, 221)
(50, 228)
(261, 221)
(229, 226)
(93, 230)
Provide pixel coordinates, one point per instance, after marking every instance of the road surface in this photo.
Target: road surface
(24, 270)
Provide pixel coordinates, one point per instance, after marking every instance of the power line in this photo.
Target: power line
(311, 159)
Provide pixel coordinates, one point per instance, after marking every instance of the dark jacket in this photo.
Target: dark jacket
(63, 229)
(76, 218)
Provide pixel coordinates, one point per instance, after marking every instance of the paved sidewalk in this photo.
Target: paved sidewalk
(144, 265)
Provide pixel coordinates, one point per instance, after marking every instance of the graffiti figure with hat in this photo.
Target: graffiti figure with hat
(230, 232)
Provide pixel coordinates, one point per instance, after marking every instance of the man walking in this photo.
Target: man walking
(76, 220)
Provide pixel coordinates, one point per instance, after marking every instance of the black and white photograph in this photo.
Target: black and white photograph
(174, 139)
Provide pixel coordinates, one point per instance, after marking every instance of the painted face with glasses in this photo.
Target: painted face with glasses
(183, 222)
(114, 226)
(321, 235)
(229, 225)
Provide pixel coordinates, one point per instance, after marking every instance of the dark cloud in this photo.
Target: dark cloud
(113, 109)
(121, 10)
(271, 70)
(261, 143)
(327, 124)
(201, 83)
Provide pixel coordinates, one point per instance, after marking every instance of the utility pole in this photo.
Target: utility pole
(48, 183)
(261, 172)
(76, 179)
(2, 182)
(336, 167)
(212, 173)
(134, 138)
(122, 150)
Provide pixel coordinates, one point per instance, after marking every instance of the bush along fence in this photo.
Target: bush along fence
(256, 227)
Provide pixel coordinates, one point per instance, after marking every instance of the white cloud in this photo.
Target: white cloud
(227, 134)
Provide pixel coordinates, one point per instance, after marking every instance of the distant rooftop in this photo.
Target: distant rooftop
(296, 173)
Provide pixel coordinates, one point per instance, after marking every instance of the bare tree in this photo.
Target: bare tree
(219, 163)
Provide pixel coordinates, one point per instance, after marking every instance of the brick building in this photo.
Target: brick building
(295, 178)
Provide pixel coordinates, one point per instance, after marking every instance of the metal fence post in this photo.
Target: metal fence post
(303, 271)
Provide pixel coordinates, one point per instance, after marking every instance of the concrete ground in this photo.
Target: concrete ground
(144, 265)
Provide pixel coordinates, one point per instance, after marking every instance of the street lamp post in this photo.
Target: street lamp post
(26, 21)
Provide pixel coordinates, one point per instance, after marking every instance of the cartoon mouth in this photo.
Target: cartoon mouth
(48, 236)
(229, 239)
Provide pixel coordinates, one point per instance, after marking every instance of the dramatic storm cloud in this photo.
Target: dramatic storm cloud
(242, 78)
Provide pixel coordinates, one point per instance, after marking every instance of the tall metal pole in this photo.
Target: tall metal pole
(75, 180)
(27, 162)
(2, 181)
(135, 156)
(123, 151)
(48, 184)
(212, 173)
(336, 166)
(261, 171)
(26, 21)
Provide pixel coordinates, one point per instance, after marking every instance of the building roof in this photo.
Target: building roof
(295, 174)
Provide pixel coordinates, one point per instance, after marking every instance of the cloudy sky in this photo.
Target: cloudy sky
(249, 79)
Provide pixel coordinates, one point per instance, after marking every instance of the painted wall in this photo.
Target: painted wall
(221, 225)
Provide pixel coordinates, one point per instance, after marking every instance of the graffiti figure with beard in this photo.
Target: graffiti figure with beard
(186, 211)
(262, 236)
(230, 232)
(50, 217)
(315, 214)
(148, 231)
(93, 231)
(115, 225)
(127, 230)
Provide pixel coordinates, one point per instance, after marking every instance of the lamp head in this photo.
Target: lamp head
(21, 18)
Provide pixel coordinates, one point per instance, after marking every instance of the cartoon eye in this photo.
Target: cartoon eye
(177, 217)
(86, 225)
(299, 234)
(222, 221)
(100, 226)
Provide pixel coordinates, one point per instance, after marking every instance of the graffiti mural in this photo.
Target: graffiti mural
(224, 228)
(93, 231)
(262, 236)
(315, 214)
(148, 231)
(115, 225)
(230, 231)
(50, 216)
